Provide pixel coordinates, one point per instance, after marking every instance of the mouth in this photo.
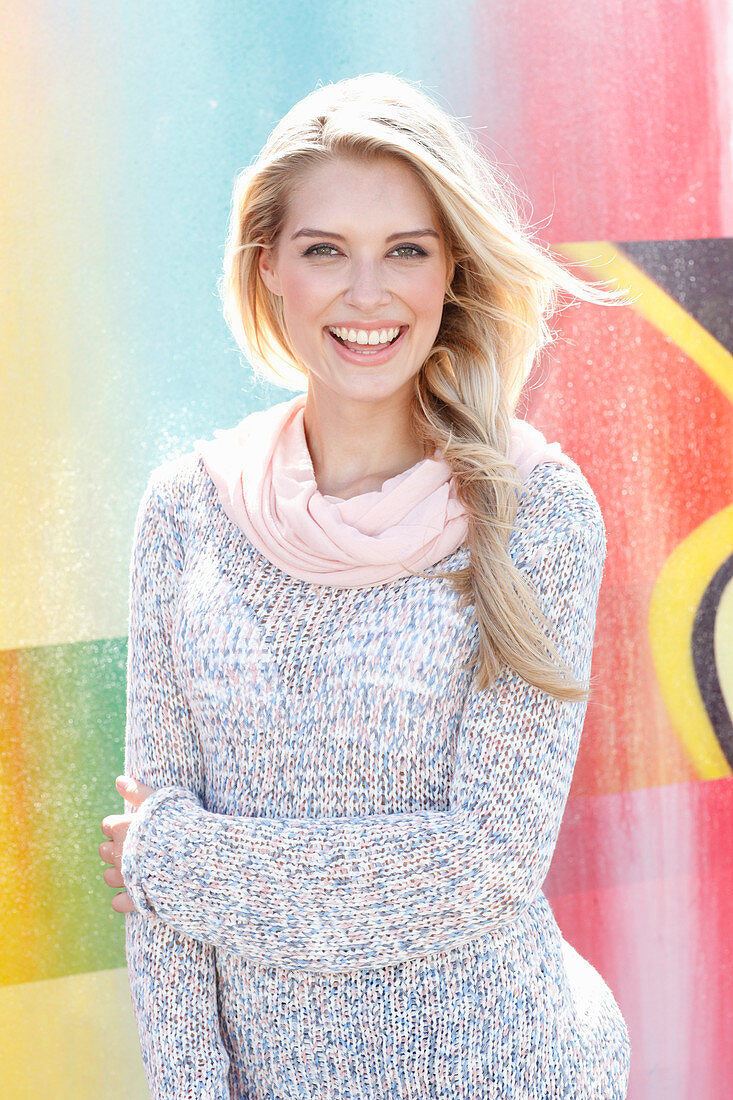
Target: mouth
(373, 353)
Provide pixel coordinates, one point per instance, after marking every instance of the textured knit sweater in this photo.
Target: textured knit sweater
(338, 878)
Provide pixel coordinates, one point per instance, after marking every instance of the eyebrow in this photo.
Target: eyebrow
(338, 237)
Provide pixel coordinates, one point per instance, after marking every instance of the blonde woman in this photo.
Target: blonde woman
(361, 626)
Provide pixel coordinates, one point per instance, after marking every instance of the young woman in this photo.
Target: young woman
(361, 626)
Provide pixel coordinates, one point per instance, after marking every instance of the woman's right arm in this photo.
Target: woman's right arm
(172, 977)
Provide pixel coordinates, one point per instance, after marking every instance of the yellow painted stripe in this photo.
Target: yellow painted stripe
(603, 260)
(71, 1038)
(675, 599)
(66, 402)
(687, 572)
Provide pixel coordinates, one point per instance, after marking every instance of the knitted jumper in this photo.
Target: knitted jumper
(338, 878)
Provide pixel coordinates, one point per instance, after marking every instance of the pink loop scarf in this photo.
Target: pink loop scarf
(264, 476)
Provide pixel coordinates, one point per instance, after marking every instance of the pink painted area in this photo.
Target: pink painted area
(640, 885)
(651, 431)
(614, 118)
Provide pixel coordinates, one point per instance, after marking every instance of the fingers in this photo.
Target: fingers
(106, 851)
(113, 877)
(115, 827)
(132, 790)
(122, 903)
(111, 821)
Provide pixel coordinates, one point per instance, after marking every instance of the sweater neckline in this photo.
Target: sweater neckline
(264, 476)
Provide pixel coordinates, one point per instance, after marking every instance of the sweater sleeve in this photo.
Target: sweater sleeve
(348, 893)
(172, 977)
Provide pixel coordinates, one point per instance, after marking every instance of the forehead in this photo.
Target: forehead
(386, 189)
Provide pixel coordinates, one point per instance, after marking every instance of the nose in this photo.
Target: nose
(367, 290)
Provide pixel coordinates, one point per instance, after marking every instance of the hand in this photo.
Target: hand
(115, 827)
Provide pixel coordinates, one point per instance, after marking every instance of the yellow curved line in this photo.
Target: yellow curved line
(685, 575)
(675, 599)
(602, 260)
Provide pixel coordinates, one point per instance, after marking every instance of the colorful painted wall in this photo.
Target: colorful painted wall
(124, 125)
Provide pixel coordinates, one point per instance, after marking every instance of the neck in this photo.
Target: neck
(356, 446)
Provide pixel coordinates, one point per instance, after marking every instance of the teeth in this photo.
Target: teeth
(362, 336)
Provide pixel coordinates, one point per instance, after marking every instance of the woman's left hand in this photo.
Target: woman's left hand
(115, 827)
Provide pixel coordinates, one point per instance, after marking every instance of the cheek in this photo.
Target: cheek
(429, 295)
(300, 299)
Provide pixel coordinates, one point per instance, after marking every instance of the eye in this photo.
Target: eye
(412, 250)
(416, 250)
(313, 250)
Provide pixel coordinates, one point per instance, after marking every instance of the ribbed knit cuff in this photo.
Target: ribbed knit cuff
(138, 834)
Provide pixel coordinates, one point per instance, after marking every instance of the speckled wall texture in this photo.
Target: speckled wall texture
(124, 125)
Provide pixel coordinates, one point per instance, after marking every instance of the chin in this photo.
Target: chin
(378, 385)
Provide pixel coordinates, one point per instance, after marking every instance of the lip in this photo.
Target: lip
(372, 358)
(367, 328)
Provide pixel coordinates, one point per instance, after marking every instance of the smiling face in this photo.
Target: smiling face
(373, 259)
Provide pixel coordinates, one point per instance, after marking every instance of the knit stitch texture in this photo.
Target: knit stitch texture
(339, 876)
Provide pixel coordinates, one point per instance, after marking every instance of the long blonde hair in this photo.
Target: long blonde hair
(505, 287)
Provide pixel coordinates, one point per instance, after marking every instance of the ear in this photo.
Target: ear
(268, 270)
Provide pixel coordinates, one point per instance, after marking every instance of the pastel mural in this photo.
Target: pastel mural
(125, 125)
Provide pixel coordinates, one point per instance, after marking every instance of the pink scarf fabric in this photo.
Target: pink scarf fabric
(264, 476)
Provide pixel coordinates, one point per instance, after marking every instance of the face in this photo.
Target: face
(365, 263)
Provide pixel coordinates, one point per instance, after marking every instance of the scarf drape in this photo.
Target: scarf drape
(264, 476)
